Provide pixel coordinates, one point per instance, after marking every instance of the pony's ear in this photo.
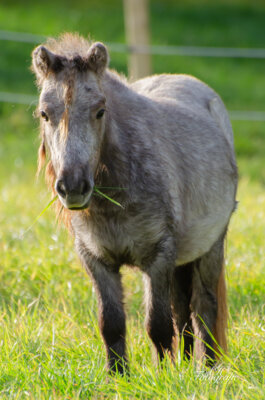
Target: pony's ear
(98, 57)
(44, 61)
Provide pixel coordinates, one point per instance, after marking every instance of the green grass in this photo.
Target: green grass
(50, 343)
(50, 346)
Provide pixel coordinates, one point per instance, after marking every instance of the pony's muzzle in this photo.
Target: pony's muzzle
(74, 194)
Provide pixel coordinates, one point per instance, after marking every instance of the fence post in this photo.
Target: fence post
(136, 17)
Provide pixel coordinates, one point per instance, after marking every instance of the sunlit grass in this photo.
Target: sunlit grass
(50, 345)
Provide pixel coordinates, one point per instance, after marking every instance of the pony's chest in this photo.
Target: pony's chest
(120, 241)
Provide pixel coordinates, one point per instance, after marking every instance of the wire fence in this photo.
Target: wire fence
(20, 98)
(193, 51)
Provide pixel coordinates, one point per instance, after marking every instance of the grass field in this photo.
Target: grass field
(50, 346)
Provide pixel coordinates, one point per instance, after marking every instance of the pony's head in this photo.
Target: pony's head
(72, 109)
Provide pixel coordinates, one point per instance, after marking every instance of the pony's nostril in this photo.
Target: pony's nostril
(60, 188)
(85, 187)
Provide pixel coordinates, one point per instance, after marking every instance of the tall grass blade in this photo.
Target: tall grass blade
(108, 198)
(40, 214)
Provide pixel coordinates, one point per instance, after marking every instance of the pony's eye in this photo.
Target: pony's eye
(44, 115)
(100, 113)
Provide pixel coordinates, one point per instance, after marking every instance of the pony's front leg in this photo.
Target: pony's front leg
(111, 314)
(159, 322)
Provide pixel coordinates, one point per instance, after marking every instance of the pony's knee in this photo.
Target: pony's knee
(112, 326)
(160, 330)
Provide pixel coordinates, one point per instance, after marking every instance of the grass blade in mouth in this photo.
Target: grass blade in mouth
(110, 187)
(107, 197)
(56, 197)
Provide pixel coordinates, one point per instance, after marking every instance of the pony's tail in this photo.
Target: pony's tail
(220, 329)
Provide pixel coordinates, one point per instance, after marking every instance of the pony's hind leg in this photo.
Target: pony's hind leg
(181, 289)
(158, 321)
(208, 303)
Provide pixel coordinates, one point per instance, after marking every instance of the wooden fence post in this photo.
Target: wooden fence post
(136, 16)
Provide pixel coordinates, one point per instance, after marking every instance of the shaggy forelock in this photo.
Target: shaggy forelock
(69, 45)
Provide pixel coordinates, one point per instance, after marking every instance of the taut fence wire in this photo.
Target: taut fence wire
(192, 51)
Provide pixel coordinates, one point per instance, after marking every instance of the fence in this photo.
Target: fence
(20, 98)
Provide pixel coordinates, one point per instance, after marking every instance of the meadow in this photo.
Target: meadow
(50, 345)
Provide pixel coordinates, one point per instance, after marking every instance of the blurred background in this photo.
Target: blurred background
(219, 42)
(185, 36)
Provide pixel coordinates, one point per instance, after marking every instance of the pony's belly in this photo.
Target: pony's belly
(200, 237)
